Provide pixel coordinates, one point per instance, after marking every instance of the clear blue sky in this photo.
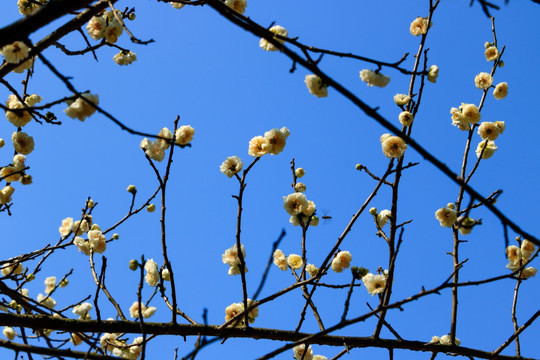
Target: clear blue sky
(215, 76)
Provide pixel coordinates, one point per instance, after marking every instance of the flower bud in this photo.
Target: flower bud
(299, 172)
(373, 211)
(116, 236)
(30, 277)
(151, 208)
(133, 264)
(300, 187)
(132, 16)
(132, 189)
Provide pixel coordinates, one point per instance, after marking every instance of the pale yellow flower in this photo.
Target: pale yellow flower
(259, 146)
(152, 149)
(184, 134)
(5, 194)
(433, 73)
(232, 310)
(315, 86)
(22, 142)
(342, 261)
(374, 284)
(176, 5)
(277, 139)
(295, 261)
(232, 165)
(27, 7)
(278, 30)
(81, 108)
(9, 333)
(483, 80)
(486, 148)
(125, 57)
(491, 53)
(300, 352)
(152, 273)
(113, 30)
(312, 270)
(446, 216)
(401, 99)
(406, 118)
(295, 203)
(372, 78)
(419, 26)
(96, 27)
(237, 5)
(16, 52)
(500, 91)
(488, 130)
(393, 146)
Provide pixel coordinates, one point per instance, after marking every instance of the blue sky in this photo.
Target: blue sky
(215, 76)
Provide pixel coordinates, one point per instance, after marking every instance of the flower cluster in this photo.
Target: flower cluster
(20, 118)
(278, 30)
(447, 215)
(95, 242)
(82, 310)
(135, 311)
(392, 146)
(232, 258)
(341, 261)
(152, 273)
(316, 86)
(444, 340)
(517, 256)
(273, 142)
(156, 149)
(234, 309)
(120, 348)
(27, 7)
(81, 108)
(300, 208)
(105, 26)
(14, 172)
(375, 284)
(464, 116)
(125, 57)
(374, 78)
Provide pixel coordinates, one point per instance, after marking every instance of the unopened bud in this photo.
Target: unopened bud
(299, 172)
(373, 211)
(151, 208)
(30, 277)
(132, 189)
(133, 264)
(116, 236)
